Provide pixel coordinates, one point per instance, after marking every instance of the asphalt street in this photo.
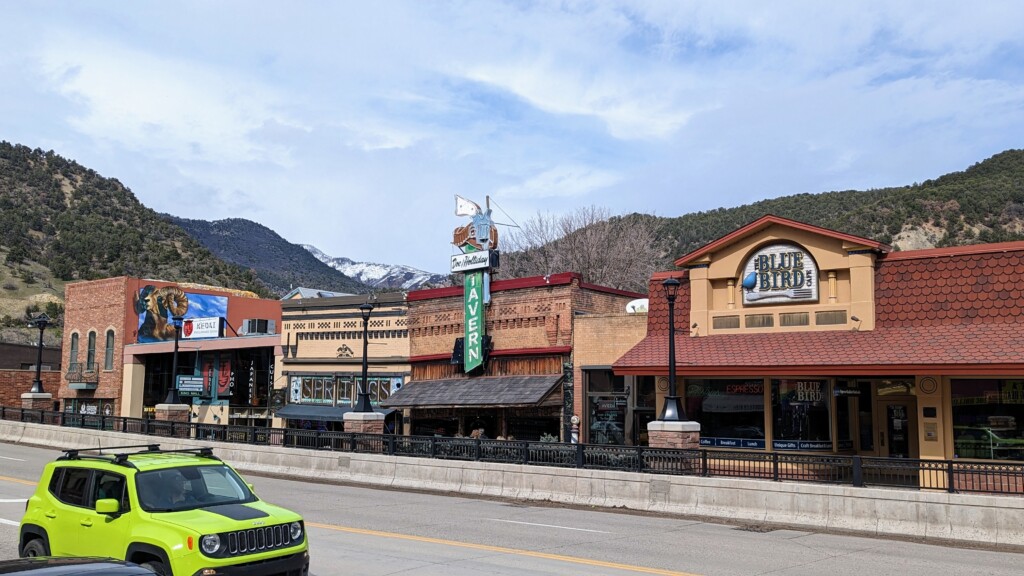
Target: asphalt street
(363, 531)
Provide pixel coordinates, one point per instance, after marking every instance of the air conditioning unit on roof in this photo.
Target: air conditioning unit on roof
(254, 326)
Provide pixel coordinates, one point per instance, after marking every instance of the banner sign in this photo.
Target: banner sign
(473, 356)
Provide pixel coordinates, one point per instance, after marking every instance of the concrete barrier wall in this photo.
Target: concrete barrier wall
(959, 517)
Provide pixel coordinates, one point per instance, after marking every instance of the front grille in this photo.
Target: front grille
(259, 539)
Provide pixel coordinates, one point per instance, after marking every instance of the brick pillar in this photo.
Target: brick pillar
(37, 401)
(174, 413)
(673, 434)
(364, 422)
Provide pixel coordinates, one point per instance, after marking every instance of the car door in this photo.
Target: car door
(106, 534)
(64, 512)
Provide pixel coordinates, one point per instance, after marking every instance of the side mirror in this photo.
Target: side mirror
(251, 487)
(108, 506)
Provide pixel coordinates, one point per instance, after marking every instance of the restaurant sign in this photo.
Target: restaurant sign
(780, 273)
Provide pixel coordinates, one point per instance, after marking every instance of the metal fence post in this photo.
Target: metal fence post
(433, 447)
(775, 466)
(476, 449)
(704, 471)
(858, 471)
(950, 478)
(526, 451)
(581, 460)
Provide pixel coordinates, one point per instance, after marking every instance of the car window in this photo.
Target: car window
(73, 485)
(110, 485)
(189, 487)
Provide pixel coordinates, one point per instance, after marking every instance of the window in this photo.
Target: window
(988, 419)
(108, 352)
(800, 415)
(74, 348)
(90, 355)
(730, 412)
(110, 485)
(73, 485)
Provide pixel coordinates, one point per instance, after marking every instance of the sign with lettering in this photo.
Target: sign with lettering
(475, 261)
(191, 385)
(780, 273)
(212, 327)
(473, 355)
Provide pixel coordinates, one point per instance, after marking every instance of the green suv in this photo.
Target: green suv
(176, 512)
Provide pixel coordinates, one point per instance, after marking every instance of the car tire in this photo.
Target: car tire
(34, 547)
(157, 567)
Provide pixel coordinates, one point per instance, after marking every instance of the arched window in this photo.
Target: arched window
(108, 352)
(90, 354)
(74, 348)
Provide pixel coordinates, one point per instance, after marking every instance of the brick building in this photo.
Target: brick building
(322, 357)
(525, 389)
(118, 349)
(18, 371)
(794, 337)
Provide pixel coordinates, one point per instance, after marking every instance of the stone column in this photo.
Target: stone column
(662, 434)
(364, 422)
(37, 401)
(174, 413)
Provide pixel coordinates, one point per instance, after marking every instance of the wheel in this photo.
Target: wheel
(34, 547)
(156, 567)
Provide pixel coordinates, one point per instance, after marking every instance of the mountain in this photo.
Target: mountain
(381, 276)
(60, 221)
(278, 263)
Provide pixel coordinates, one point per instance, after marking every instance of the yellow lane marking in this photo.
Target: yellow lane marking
(501, 550)
(17, 480)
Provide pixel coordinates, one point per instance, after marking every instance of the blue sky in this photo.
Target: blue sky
(352, 125)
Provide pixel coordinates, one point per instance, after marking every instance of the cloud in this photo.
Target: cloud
(168, 106)
(562, 181)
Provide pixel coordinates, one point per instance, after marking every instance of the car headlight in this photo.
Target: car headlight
(210, 544)
(296, 529)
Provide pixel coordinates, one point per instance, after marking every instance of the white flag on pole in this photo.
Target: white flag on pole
(465, 207)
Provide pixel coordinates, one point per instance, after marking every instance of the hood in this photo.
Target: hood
(229, 517)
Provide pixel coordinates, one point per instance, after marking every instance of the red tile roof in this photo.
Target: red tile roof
(976, 349)
(963, 285)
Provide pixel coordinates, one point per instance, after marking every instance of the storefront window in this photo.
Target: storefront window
(730, 412)
(608, 400)
(800, 415)
(988, 419)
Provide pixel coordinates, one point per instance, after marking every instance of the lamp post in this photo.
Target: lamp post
(363, 402)
(672, 411)
(41, 322)
(172, 394)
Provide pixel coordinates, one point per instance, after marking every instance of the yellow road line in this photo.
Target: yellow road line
(501, 550)
(17, 480)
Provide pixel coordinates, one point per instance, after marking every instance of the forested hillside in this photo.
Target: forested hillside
(984, 203)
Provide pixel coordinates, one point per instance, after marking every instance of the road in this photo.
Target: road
(369, 532)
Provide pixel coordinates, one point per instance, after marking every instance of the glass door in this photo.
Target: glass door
(896, 428)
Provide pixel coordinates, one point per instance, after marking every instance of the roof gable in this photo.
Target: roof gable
(769, 220)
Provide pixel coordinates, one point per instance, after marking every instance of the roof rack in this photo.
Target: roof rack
(121, 458)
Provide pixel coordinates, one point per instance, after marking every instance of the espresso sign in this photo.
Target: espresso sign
(780, 273)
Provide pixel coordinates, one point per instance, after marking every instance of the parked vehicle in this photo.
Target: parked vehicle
(53, 566)
(175, 512)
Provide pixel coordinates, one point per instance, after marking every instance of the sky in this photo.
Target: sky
(352, 126)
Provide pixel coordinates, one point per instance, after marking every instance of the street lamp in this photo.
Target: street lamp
(41, 322)
(363, 402)
(172, 394)
(672, 411)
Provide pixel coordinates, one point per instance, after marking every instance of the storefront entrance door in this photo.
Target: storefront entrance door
(896, 427)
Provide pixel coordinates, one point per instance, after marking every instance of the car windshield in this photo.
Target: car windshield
(188, 487)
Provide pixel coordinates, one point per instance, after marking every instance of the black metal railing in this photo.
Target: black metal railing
(948, 475)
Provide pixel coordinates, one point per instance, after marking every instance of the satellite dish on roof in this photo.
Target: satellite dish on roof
(637, 306)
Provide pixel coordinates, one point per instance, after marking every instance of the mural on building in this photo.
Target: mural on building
(156, 306)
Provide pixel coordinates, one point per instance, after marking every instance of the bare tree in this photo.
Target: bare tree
(615, 251)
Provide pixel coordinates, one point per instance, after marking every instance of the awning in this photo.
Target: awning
(490, 391)
(321, 413)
